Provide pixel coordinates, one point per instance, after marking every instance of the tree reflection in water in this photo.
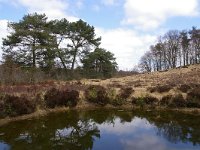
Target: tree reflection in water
(174, 126)
(65, 131)
(80, 129)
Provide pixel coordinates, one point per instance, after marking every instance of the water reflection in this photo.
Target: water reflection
(104, 129)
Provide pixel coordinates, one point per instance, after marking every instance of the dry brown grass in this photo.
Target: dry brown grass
(180, 81)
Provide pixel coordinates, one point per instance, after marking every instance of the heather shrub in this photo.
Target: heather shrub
(134, 100)
(1, 108)
(178, 101)
(160, 89)
(138, 101)
(193, 102)
(120, 98)
(118, 101)
(2, 105)
(97, 94)
(14, 105)
(193, 98)
(151, 89)
(115, 84)
(125, 92)
(184, 88)
(163, 88)
(145, 100)
(150, 100)
(55, 98)
(165, 101)
(194, 93)
(173, 101)
(72, 97)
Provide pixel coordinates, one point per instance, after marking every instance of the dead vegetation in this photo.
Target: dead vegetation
(176, 88)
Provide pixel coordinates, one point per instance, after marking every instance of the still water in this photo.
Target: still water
(104, 130)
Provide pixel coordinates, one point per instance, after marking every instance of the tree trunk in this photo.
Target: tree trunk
(74, 59)
(34, 54)
(59, 54)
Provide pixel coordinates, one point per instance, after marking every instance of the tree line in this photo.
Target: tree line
(174, 49)
(35, 42)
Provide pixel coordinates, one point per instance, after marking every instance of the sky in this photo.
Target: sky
(127, 27)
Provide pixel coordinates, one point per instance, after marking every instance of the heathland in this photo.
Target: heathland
(173, 89)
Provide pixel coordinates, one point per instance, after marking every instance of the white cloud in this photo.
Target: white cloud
(119, 128)
(151, 13)
(3, 32)
(127, 45)
(54, 9)
(143, 142)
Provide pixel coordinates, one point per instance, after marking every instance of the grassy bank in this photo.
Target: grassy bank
(174, 89)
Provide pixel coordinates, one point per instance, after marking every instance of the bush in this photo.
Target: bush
(125, 92)
(97, 94)
(178, 101)
(118, 101)
(193, 98)
(160, 89)
(193, 102)
(139, 101)
(134, 101)
(184, 88)
(146, 100)
(55, 97)
(194, 93)
(14, 105)
(72, 97)
(150, 100)
(194, 85)
(165, 101)
(1, 107)
(151, 89)
(173, 101)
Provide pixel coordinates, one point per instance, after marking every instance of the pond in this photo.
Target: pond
(104, 129)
